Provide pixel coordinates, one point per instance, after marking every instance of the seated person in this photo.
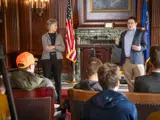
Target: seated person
(150, 83)
(4, 108)
(24, 78)
(109, 104)
(92, 82)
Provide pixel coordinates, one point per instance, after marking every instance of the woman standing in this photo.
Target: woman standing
(53, 46)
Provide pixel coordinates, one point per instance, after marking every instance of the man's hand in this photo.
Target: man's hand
(116, 41)
(136, 48)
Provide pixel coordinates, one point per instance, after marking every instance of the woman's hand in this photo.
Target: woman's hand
(52, 47)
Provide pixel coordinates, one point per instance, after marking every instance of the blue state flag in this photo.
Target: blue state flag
(146, 26)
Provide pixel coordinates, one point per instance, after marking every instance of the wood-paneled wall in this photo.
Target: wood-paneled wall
(21, 27)
(32, 27)
(10, 28)
(155, 22)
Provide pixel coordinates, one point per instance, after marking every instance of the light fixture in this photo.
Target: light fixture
(3, 5)
(39, 6)
(108, 25)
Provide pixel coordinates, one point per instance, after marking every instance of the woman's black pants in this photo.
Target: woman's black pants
(52, 69)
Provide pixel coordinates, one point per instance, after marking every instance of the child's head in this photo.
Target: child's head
(2, 87)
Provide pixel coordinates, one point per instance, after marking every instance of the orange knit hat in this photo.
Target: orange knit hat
(24, 60)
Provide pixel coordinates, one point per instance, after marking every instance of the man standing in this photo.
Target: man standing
(132, 42)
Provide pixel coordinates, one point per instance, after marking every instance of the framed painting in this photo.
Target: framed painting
(110, 5)
(97, 12)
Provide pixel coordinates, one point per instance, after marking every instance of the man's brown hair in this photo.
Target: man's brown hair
(108, 76)
(132, 18)
(93, 66)
(155, 56)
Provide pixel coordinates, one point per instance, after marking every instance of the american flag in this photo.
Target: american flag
(70, 38)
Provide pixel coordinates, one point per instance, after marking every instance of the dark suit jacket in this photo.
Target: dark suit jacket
(148, 83)
(135, 56)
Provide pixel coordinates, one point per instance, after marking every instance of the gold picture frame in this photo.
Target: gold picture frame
(110, 5)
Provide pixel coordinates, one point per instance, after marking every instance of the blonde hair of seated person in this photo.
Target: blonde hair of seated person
(4, 108)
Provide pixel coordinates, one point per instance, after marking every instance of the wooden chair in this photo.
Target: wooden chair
(77, 98)
(145, 103)
(37, 104)
(154, 116)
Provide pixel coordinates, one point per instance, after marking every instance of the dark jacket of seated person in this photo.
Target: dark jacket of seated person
(150, 83)
(91, 83)
(88, 85)
(24, 78)
(109, 104)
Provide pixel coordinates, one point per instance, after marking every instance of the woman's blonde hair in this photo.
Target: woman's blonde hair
(50, 22)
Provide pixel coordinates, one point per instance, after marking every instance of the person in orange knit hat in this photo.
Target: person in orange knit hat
(24, 78)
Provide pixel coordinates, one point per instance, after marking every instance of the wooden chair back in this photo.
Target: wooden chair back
(154, 116)
(77, 98)
(37, 104)
(145, 103)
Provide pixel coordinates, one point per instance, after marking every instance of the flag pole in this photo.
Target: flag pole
(74, 73)
(74, 63)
